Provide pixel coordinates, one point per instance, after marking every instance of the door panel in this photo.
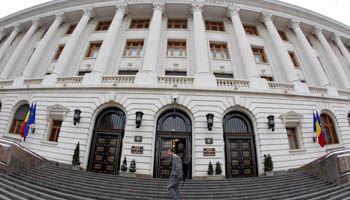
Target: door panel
(240, 158)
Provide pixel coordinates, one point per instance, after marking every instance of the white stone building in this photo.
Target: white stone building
(176, 62)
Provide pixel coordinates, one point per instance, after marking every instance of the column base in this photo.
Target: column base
(18, 82)
(205, 80)
(332, 90)
(301, 87)
(259, 83)
(50, 80)
(146, 78)
(92, 78)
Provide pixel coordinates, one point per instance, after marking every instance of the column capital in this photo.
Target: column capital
(89, 12)
(17, 28)
(60, 17)
(335, 37)
(122, 7)
(233, 10)
(197, 7)
(293, 24)
(317, 30)
(36, 22)
(158, 5)
(265, 17)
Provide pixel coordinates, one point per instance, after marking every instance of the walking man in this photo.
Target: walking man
(175, 175)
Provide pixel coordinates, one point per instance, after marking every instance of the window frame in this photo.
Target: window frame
(71, 29)
(92, 49)
(261, 53)
(251, 30)
(59, 51)
(135, 22)
(293, 59)
(103, 26)
(218, 24)
(290, 136)
(213, 46)
(330, 124)
(183, 24)
(18, 122)
(58, 130)
(283, 35)
(181, 45)
(139, 49)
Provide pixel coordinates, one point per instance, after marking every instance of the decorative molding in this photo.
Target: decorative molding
(89, 12)
(60, 17)
(293, 24)
(158, 5)
(196, 6)
(17, 28)
(335, 37)
(233, 10)
(317, 30)
(122, 7)
(36, 22)
(265, 17)
(291, 118)
(57, 111)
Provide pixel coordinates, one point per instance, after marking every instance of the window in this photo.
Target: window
(292, 138)
(175, 73)
(133, 49)
(58, 52)
(214, 26)
(18, 119)
(82, 73)
(128, 72)
(93, 50)
(250, 30)
(71, 29)
(176, 49)
(329, 130)
(55, 130)
(283, 35)
(177, 24)
(259, 55)
(268, 78)
(223, 75)
(103, 26)
(218, 51)
(294, 60)
(139, 23)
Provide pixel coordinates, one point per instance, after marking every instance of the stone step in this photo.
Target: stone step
(322, 193)
(15, 193)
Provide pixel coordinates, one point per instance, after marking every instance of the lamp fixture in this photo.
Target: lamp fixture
(271, 122)
(76, 118)
(210, 121)
(138, 119)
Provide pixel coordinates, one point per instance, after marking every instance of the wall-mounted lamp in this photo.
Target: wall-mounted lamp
(138, 119)
(271, 122)
(76, 118)
(210, 121)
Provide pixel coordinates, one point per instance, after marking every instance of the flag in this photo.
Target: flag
(319, 130)
(24, 125)
(31, 120)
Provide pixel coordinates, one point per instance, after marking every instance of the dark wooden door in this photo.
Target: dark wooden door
(240, 158)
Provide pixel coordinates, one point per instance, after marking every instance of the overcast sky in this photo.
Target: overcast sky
(336, 9)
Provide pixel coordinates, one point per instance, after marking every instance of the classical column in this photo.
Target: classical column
(333, 58)
(148, 73)
(19, 49)
(203, 76)
(106, 48)
(344, 51)
(310, 54)
(2, 33)
(69, 48)
(42, 47)
(9, 40)
(245, 50)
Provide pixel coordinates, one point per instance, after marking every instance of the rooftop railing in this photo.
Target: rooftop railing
(175, 81)
(235, 84)
(118, 80)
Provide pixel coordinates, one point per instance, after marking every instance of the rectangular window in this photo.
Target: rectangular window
(218, 51)
(214, 26)
(223, 75)
(283, 35)
(55, 130)
(71, 29)
(292, 138)
(93, 50)
(82, 73)
(175, 73)
(177, 23)
(268, 78)
(250, 30)
(259, 55)
(133, 49)
(58, 52)
(103, 26)
(16, 126)
(128, 72)
(294, 60)
(139, 23)
(176, 49)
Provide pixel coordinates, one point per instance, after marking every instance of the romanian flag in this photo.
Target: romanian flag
(24, 125)
(319, 130)
(31, 120)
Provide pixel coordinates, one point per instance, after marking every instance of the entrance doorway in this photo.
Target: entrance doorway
(107, 142)
(173, 131)
(239, 146)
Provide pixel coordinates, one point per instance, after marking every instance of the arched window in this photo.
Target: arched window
(329, 129)
(19, 118)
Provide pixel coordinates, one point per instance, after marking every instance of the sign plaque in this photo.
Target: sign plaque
(209, 151)
(137, 150)
(138, 139)
(208, 140)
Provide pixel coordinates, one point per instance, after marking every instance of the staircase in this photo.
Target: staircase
(53, 182)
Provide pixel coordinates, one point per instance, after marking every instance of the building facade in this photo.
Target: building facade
(130, 79)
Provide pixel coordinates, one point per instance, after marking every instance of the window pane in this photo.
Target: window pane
(219, 54)
(328, 135)
(133, 52)
(169, 51)
(334, 135)
(257, 58)
(290, 143)
(176, 52)
(295, 143)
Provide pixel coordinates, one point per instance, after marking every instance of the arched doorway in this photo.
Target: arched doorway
(174, 130)
(239, 146)
(107, 142)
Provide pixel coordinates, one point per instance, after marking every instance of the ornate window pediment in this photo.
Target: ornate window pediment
(291, 118)
(57, 111)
